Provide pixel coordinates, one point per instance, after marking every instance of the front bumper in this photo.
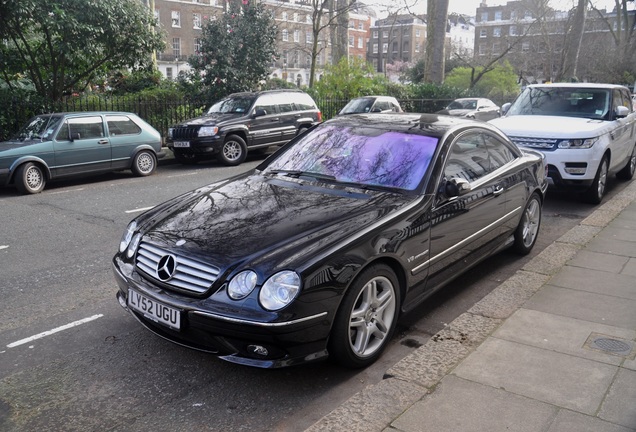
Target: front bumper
(252, 343)
(572, 169)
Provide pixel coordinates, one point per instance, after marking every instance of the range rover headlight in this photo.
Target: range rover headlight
(127, 237)
(241, 285)
(205, 131)
(577, 143)
(279, 290)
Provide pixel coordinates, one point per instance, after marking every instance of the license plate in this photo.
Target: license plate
(152, 309)
(181, 144)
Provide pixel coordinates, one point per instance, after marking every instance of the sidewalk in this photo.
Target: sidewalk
(552, 349)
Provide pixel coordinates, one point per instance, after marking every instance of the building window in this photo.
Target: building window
(360, 42)
(484, 16)
(496, 32)
(385, 34)
(483, 33)
(385, 48)
(361, 25)
(417, 46)
(395, 47)
(352, 24)
(296, 36)
(513, 31)
(495, 48)
(525, 47)
(497, 15)
(482, 49)
(417, 33)
(284, 16)
(176, 48)
(197, 45)
(528, 15)
(351, 41)
(309, 37)
(176, 19)
(285, 34)
(169, 73)
(513, 15)
(375, 48)
(375, 34)
(296, 17)
(308, 19)
(196, 20)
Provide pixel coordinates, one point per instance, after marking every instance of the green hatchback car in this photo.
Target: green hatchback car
(58, 145)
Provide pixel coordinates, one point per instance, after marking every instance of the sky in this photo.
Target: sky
(468, 7)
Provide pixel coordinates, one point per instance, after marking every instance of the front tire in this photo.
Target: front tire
(595, 193)
(30, 178)
(628, 171)
(367, 318)
(528, 229)
(234, 151)
(144, 163)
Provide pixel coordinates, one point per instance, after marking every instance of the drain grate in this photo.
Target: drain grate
(610, 344)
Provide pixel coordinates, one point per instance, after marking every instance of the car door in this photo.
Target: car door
(81, 146)
(124, 135)
(288, 116)
(622, 134)
(265, 127)
(465, 226)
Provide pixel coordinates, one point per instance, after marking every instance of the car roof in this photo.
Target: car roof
(424, 124)
(68, 113)
(579, 85)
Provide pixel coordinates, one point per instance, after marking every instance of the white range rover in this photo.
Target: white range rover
(586, 131)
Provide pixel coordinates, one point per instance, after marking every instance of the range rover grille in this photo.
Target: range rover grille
(538, 143)
(175, 270)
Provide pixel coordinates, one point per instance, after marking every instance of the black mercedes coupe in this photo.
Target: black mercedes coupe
(317, 251)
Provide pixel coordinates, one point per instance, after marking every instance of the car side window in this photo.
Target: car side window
(468, 159)
(81, 128)
(267, 103)
(121, 125)
(499, 153)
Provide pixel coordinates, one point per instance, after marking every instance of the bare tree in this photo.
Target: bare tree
(435, 56)
(572, 47)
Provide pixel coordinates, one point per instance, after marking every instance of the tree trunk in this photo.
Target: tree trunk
(573, 39)
(435, 56)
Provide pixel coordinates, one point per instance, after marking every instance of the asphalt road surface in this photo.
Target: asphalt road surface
(72, 359)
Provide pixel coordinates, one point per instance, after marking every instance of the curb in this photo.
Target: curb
(416, 375)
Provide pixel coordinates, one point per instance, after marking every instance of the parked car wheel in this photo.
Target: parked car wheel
(595, 193)
(234, 151)
(528, 229)
(367, 318)
(144, 163)
(628, 171)
(30, 178)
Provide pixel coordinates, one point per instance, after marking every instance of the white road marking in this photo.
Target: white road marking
(4, 247)
(66, 191)
(55, 330)
(183, 175)
(139, 210)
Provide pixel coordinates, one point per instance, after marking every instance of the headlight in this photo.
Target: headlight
(279, 290)
(134, 244)
(208, 131)
(170, 133)
(127, 237)
(241, 285)
(577, 143)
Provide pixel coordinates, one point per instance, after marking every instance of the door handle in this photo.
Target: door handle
(498, 190)
(102, 141)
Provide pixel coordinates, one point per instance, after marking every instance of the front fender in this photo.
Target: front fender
(25, 159)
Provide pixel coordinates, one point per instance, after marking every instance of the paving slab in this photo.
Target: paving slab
(620, 403)
(612, 246)
(561, 334)
(568, 421)
(460, 405)
(559, 379)
(591, 260)
(596, 281)
(586, 306)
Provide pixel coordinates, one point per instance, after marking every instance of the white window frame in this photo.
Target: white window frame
(176, 18)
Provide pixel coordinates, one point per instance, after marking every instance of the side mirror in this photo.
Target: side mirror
(376, 110)
(456, 187)
(505, 107)
(75, 136)
(260, 112)
(621, 112)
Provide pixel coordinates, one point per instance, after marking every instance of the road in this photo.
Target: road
(72, 359)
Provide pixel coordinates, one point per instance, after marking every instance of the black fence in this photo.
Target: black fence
(160, 113)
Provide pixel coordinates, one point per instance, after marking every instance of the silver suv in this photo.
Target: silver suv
(586, 131)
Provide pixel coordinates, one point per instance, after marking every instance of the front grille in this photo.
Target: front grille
(538, 143)
(184, 133)
(189, 275)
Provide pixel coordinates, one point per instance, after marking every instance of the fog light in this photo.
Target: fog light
(575, 168)
(258, 350)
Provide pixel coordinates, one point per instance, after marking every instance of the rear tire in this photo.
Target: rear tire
(628, 171)
(528, 229)
(144, 163)
(595, 193)
(30, 178)
(366, 319)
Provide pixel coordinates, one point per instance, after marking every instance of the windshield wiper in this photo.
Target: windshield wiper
(373, 187)
(298, 173)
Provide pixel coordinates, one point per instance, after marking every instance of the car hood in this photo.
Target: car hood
(265, 222)
(10, 145)
(209, 120)
(458, 112)
(551, 126)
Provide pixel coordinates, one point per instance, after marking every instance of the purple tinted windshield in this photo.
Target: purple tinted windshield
(361, 155)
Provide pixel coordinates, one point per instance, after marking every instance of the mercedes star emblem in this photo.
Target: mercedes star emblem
(166, 267)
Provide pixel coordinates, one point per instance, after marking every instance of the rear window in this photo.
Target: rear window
(121, 125)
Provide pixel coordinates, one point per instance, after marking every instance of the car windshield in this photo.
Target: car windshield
(562, 101)
(40, 127)
(232, 105)
(359, 156)
(463, 104)
(360, 105)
